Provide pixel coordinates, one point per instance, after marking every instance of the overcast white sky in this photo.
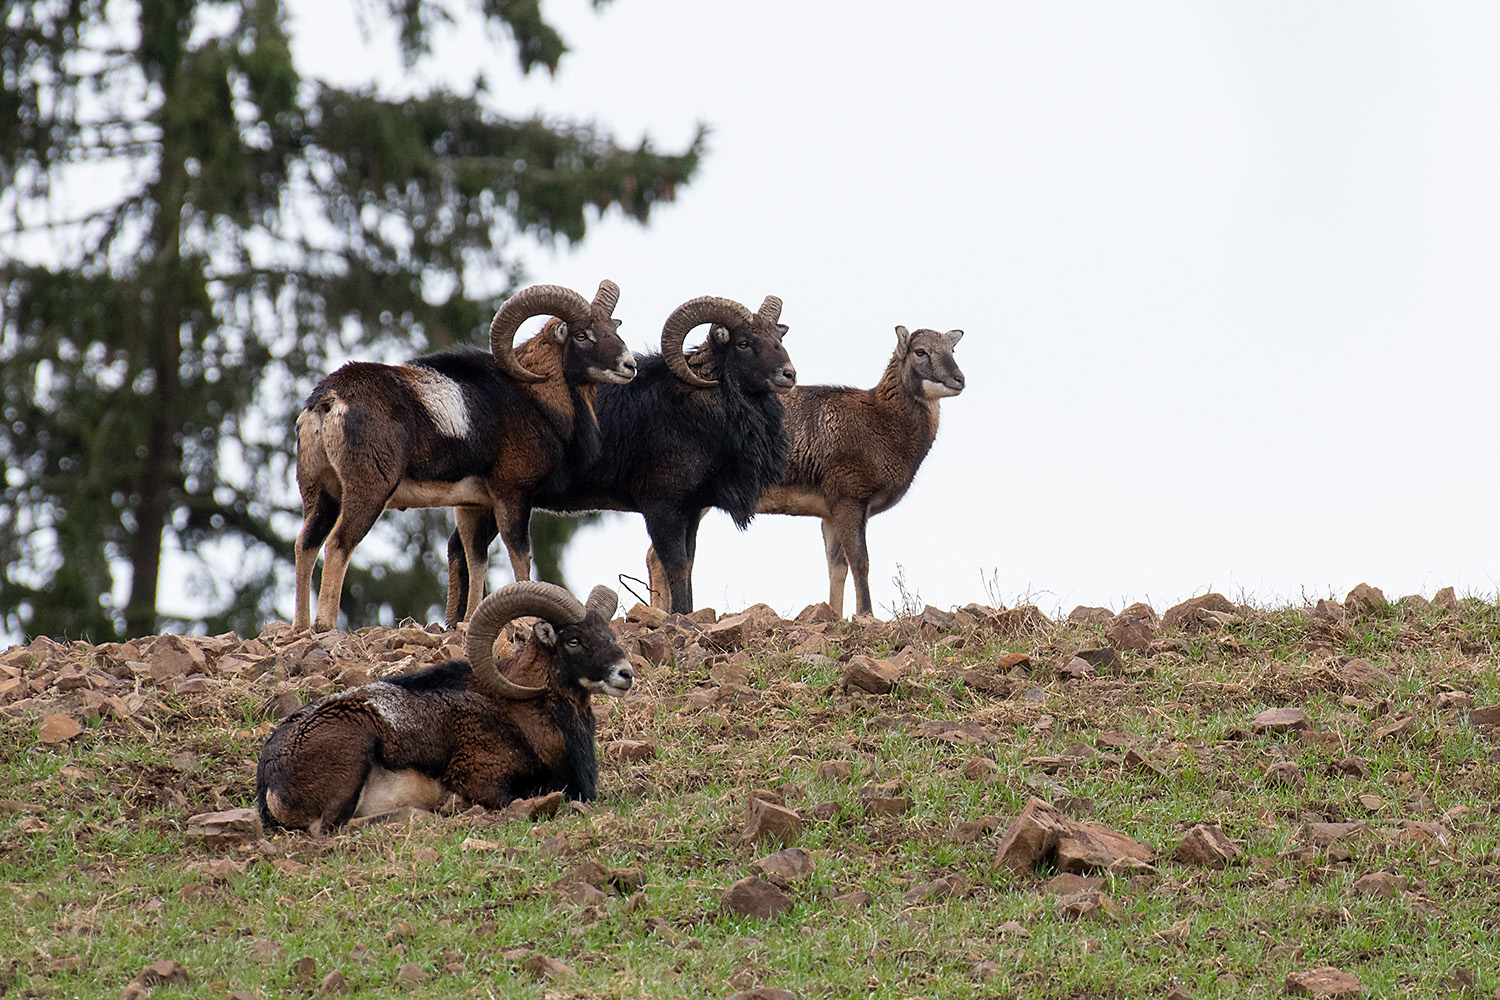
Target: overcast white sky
(1228, 274)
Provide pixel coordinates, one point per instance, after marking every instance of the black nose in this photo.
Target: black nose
(960, 380)
(628, 674)
(789, 372)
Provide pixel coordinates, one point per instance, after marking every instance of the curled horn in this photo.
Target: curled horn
(604, 601)
(538, 300)
(770, 309)
(704, 309)
(526, 597)
(607, 296)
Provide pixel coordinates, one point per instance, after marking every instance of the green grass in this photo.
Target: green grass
(99, 878)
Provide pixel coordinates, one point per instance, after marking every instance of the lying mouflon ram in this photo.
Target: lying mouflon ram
(467, 727)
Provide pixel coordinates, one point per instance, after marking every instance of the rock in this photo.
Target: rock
(1488, 715)
(816, 614)
(634, 751)
(1024, 620)
(1280, 720)
(1324, 834)
(1205, 845)
(1323, 982)
(1090, 616)
(785, 867)
(835, 770)
(534, 809)
(826, 810)
(1075, 669)
(1076, 905)
(162, 973)
(1104, 658)
(1285, 773)
(1380, 884)
(851, 901)
(542, 967)
(1361, 677)
(753, 897)
(334, 985)
(1137, 761)
(733, 631)
(410, 974)
(939, 888)
(1010, 661)
(769, 821)
(1132, 629)
(1445, 600)
(1187, 614)
(980, 769)
(1043, 834)
(172, 656)
(871, 675)
(892, 805)
(764, 992)
(646, 615)
(231, 826)
(58, 728)
(1364, 600)
(1416, 602)
(305, 970)
(1064, 883)
(1354, 767)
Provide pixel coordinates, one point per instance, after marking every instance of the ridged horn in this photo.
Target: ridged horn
(607, 297)
(703, 309)
(770, 309)
(538, 300)
(526, 597)
(604, 601)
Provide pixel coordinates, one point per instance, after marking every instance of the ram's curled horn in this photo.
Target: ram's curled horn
(770, 309)
(538, 300)
(607, 297)
(604, 601)
(704, 309)
(526, 597)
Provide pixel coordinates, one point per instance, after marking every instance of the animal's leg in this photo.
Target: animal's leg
(319, 512)
(468, 561)
(838, 567)
(354, 522)
(513, 515)
(669, 529)
(656, 574)
(849, 521)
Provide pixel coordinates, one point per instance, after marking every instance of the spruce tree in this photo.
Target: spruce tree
(192, 231)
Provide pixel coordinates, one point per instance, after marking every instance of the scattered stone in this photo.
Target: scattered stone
(1206, 845)
(58, 728)
(824, 811)
(1324, 834)
(1024, 620)
(542, 967)
(1380, 884)
(222, 829)
(1365, 600)
(1354, 767)
(1361, 676)
(1188, 614)
(1324, 982)
(835, 770)
(633, 751)
(764, 992)
(1104, 658)
(1090, 616)
(1043, 834)
(785, 867)
(1077, 905)
(1286, 774)
(305, 970)
(1137, 761)
(871, 675)
(938, 888)
(850, 901)
(1399, 726)
(1065, 882)
(1374, 803)
(535, 809)
(980, 768)
(646, 615)
(1006, 662)
(1075, 669)
(1280, 720)
(1445, 600)
(1449, 700)
(410, 974)
(768, 821)
(754, 897)
(816, 614)
(1489, 715)
(1178, 993)
(1132, 629)
(162, 973)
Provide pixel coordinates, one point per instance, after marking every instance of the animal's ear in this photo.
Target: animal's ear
(781, 328)
(903, 339)
(560, 331)
(953, 337)
(720, 334)
(617, 322)
(545, 634)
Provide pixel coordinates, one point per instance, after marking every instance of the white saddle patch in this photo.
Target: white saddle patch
(442, 398)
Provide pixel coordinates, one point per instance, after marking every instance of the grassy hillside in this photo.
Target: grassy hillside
(902, 798)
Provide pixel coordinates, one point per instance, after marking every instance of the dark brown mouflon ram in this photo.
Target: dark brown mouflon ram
(692, 431)
(458, 428)
(854, 453)
(487, 734)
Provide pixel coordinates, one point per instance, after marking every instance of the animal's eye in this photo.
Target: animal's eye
(920, 352)
(574, 642)
(581, 336)
(743, 345)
